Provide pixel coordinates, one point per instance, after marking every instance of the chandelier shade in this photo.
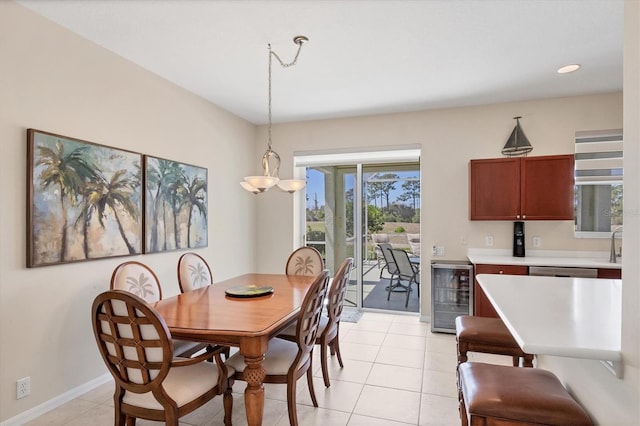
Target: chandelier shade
(291, 185)
(271, 160)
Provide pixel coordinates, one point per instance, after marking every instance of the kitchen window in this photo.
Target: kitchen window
(598, 183)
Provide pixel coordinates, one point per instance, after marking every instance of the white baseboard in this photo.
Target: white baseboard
(56, 402)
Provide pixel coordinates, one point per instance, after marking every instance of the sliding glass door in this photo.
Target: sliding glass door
(349, 207)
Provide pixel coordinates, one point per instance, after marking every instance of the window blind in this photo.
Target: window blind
(598, 158)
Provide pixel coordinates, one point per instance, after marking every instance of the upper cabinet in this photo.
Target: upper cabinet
(522, 188)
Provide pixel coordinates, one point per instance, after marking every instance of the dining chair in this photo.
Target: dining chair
(137, 278)
(329, 328)
(193, 272)
(407, 271)
(150, 383)
(286, 361)
(304, 261)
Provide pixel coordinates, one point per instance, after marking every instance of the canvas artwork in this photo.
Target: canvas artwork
(84, 200)
(175, 205)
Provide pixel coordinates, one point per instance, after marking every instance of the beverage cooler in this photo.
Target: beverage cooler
(451, 293)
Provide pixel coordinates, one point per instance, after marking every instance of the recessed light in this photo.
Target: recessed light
(568, 68)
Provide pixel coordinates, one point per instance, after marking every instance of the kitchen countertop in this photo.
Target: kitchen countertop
(543, 258)
(570, 317)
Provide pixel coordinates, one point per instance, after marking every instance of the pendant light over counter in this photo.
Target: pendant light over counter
(270, 173)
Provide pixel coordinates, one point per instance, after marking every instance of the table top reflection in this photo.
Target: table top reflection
(207, 311)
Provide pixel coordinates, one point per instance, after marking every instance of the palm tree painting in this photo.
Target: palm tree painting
(85, 200)
(175, 205)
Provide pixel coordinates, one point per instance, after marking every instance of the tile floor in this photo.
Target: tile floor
(396, 372)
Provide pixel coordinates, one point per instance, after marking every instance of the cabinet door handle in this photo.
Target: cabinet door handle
(524, 216)
(517, 216)
(501, 272)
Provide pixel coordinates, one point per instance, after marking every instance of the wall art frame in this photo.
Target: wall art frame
(84, 200)
(176, 205)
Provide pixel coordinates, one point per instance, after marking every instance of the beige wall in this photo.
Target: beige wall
(55, 81)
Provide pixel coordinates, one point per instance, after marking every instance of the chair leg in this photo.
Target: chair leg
(406, 303)
(170, 418)
(291, 403)
(131, 421)
(323, 363)
(389, 288)
(462, 352)
(119, 418)
(335, 345)
(227, 401)
(462, 410)
(516, 361)
(312, 391)
(528, 361)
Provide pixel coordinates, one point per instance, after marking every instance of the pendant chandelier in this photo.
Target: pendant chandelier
(271, 160)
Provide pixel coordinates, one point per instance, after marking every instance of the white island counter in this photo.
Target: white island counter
(571, 317)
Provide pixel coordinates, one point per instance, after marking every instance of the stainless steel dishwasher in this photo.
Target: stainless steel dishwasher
(554, 271)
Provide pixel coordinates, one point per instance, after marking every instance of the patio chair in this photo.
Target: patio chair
(407, 271)
(414, 243)
(389, 262)
(378, 239)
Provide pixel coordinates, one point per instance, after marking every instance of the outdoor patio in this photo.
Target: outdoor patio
(375, 292)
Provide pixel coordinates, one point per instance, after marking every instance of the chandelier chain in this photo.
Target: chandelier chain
(284, 65)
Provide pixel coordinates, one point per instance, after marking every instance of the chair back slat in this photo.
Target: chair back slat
(305, 261)
(133, 340)
(137, 278)
(193, 272)
(338, 291)
(310, 312)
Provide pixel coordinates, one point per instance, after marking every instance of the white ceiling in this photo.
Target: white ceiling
(364, 56)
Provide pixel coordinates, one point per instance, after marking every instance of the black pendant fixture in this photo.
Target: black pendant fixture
(518, 144)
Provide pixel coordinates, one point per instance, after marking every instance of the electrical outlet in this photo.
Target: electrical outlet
(23, 387)
(537, 241)
(434, 251)
(463, 240)
(439, 251)
(488, 241)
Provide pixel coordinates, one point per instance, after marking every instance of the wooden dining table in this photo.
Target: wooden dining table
(209, 315)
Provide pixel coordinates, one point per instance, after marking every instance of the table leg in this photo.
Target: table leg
(254, 374)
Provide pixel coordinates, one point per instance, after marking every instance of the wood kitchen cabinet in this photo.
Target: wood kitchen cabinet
(522, 188)
(482, 307)
(610, 273)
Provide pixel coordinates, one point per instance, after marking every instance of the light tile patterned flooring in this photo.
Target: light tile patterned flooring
(396, 372)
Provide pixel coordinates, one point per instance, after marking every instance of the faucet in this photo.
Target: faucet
(612, 257)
